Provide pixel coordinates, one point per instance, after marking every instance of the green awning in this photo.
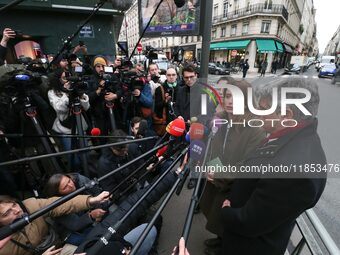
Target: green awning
(240, 44)
(219, 46)
(279, 46)
(230, 45)
(266, 46)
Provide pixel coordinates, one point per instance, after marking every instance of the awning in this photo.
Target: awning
(230, 45)
(288, 48)
(219, 46)
(236, 45)
(266, 46)
(279, 47)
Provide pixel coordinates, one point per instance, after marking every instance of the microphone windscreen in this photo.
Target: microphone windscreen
(161, 151)
(197, 149)
(187, 137)
(197, 131)
(193, 119)
(176, 127)
(95, 131)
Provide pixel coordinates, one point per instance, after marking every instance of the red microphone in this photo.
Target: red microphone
(176, 127)
(161, 151)
(95, 131)
(196, 131)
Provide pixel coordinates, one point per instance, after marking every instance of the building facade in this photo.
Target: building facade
(253, 30)
(333, 46)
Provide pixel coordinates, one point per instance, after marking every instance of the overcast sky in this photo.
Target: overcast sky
(327, 19)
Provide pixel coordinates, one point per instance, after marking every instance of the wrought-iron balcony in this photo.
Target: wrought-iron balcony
(277, 9)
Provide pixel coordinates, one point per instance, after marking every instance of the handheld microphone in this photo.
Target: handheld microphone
(197, 150)
(95, 131)
(176, 127)
(196, 131)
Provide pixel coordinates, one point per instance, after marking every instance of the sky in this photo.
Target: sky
(327, 19)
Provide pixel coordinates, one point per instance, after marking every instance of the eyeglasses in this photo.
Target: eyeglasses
(188, 77)
(171, 74)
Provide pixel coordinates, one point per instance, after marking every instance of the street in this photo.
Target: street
(328, 208)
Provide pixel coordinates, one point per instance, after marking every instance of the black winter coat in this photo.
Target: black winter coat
(263, 211)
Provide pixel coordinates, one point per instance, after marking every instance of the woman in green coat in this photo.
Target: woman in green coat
(231, 144)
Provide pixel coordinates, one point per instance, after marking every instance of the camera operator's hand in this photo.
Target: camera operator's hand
(7, 34)
(100, 87)
(97, 214)
(167, 97)
(67, 85)
(52, 251)
(82, 48)
(136, 92)
(110, 96)
(102, 197)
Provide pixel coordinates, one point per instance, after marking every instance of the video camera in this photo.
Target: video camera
(111, 81)
(20, 83)
(78, 83)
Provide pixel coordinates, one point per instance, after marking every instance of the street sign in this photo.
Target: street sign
(233, 53)
(139, 47)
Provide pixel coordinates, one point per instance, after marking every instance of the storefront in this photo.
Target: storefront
(229, 51)
(254, 50)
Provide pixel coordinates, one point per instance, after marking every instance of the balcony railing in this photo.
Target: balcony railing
(253, 9)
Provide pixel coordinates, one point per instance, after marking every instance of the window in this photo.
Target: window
(268, 4)
(213, 34)
(215, 10)
(233, 30)
(223, 34)
(265, 27)
(248, 6)
(245, 28)
(225, 9)
(237, 6)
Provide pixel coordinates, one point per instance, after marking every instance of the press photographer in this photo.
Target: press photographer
(104, 93)
(66, 93)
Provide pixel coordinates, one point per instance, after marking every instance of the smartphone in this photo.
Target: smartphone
(18, 33)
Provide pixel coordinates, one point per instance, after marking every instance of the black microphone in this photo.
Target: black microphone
(179, 3)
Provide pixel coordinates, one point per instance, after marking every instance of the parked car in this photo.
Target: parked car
(328, 70)
(292, 68)
(217, 69)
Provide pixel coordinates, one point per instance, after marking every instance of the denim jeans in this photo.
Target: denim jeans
(135, 233)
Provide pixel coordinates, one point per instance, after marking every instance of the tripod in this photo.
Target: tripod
(109, 105)
(77, 126)
(31, 112)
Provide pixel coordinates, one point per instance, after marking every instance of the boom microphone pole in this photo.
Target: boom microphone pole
(158, 212)
(26, 159)
(7, 230)
(10, 5)
(103, 241)
(195, 195)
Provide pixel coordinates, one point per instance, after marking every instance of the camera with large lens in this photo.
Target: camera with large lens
(20, 83)
(111, 81)
(78, 84)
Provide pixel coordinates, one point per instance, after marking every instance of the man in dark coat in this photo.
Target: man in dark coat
(260, 212)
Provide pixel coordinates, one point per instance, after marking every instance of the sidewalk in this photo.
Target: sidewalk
(250, 75)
